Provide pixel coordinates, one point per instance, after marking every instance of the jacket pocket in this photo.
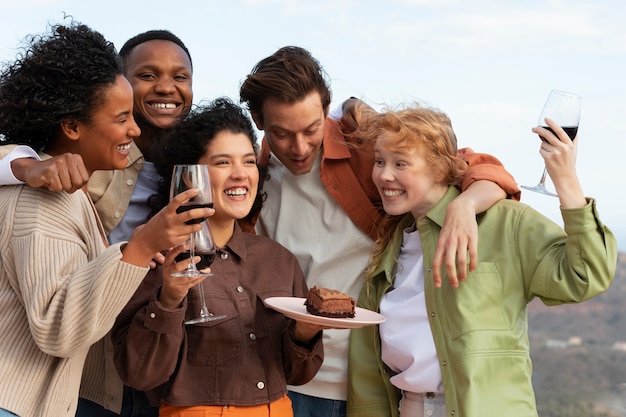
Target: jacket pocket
(477, 304)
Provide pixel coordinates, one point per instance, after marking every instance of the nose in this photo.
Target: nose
(133, 129)
(299, 145)
(164, 86)
(384, 173)
(238, 172)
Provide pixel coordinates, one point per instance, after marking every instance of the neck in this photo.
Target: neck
(222, 231)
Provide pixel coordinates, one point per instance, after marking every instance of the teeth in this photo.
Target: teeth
(123, 148)
(236, 192)
(164, 105)
(393, 193)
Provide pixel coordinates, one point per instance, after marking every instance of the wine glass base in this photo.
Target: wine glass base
(205, 319)
(539, 189)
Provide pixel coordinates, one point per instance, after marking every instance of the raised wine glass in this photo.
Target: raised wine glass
(564, 109)
(195, 176)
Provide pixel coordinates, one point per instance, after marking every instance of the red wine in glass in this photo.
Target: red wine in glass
(564, 109)
(206, 259)
(186, 207)
(571, 131)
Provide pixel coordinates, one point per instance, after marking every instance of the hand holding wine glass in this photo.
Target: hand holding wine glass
(196, 176)
(185, 177)
(564, 109)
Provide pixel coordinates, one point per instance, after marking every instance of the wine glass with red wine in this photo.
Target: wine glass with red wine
(185, 177)
(195, 176)
(564, 109)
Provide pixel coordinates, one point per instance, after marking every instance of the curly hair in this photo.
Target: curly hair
(63, 74)
(410, 128)
(188, 141)
(288, 75)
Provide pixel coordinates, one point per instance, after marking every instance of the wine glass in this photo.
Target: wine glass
(206, 249)
(195, 176)
(185, 177)
(564, 109)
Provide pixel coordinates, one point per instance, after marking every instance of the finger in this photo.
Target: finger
(183, 197)
(64, 177)
(159, 258)
(473, 254)
(451, 267)
(461, 263)
(78, 175)
(437, 264)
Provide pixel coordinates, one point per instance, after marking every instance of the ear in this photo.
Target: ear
(70, 129)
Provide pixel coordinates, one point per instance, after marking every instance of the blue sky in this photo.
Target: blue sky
(488, 64)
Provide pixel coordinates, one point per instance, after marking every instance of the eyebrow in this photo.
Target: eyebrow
(157, 68)
(314, 124)
(227, 155)
(123, 113)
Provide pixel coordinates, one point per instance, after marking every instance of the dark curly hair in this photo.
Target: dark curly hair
(62, 74)
(288, 75)
(187, 142)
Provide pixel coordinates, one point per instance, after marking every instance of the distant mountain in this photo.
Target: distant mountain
(579, 354)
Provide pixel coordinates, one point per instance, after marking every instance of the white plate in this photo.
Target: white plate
(294, 308)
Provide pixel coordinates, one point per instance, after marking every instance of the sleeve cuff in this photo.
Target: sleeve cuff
(6, 174)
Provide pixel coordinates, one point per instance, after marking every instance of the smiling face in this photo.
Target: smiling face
(294, 132)
(160, 73)
(234, 175)
(405, 182)
(104, 140)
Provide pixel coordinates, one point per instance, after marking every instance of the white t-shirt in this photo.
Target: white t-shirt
(407, 342)
(333, 252)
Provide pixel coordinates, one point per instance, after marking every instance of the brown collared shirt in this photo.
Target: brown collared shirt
(247, 358)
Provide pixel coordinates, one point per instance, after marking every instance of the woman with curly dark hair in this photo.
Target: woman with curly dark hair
(238, 365)
(61, 285)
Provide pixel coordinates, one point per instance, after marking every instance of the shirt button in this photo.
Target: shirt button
(152, 315)
(429, 412)
(260, 385)
(223, 255)
(445, 363)
(252, 336)
(129, 182)
(116, 215)
(140, 161)
(239, 289)
(432, 314)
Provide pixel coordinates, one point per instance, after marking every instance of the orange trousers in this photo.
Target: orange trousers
(279, 408)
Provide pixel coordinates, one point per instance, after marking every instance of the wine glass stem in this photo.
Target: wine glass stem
(542, 181)
(204, 311)
(192, 253)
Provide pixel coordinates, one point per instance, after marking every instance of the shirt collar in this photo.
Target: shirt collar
(237, 243)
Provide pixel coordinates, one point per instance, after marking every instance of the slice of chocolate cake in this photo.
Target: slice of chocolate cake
(329, 303)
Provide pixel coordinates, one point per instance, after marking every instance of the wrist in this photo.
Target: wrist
(20, 166)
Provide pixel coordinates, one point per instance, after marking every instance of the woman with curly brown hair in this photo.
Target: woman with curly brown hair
(61, 285)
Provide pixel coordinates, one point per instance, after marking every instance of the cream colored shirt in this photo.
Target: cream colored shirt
(301, 215)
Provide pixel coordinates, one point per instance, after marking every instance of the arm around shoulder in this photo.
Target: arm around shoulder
(487, 167)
